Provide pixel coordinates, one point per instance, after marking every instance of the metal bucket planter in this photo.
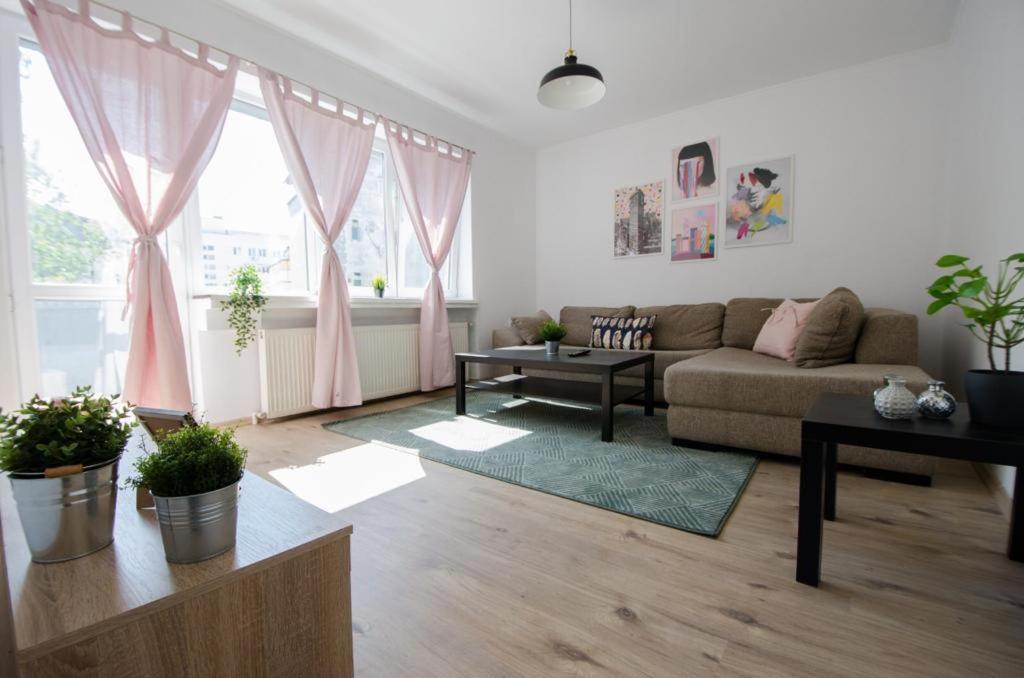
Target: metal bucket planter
(70, 516)
(198, 526)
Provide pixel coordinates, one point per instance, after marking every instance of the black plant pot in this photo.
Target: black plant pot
(995, 398)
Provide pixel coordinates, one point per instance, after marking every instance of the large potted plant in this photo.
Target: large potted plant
(61, 457)
(244, 305)
(995, 316)
(193, 476)
(552, 333)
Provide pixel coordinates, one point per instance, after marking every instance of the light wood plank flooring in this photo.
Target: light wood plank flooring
(456, 574)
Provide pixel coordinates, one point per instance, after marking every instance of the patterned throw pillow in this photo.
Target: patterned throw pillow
(630, 334)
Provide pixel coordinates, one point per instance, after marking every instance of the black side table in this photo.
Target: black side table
(836, 419)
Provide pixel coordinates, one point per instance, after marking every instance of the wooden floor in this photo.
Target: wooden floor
(455, 574)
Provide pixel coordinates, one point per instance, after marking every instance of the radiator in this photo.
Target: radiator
(388, 357)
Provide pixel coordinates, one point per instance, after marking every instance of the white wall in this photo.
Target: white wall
(986, 148)
(868, 142)
(503, 171)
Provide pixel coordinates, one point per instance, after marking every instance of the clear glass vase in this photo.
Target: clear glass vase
(895, 401)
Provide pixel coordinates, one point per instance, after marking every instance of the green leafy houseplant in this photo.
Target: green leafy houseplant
(81, 429)
(379, 282)
(551, 330)
(244, 304)
(995, 316)
(191, 460)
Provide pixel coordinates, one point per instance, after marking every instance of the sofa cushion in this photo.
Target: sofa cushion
(686, 327)
(630, 334)
(782, 330)
(887, 338)
(577, 321)
(830, 335)
(528, 326)
(744, 381)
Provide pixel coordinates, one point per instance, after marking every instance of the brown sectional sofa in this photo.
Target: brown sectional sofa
(719, 392)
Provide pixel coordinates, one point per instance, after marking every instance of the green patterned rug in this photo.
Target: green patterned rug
(555, 447)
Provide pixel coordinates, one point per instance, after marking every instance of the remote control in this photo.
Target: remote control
(580, 354)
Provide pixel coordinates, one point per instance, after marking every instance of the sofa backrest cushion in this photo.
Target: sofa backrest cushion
(744, 318)
(686, 327)
(888, 338)
(528, 326)
(830, 335)
(577, 321)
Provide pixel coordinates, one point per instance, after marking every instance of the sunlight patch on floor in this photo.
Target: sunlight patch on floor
(468, 434)
(342, 479)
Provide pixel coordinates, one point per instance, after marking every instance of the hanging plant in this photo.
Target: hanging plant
(244, 305)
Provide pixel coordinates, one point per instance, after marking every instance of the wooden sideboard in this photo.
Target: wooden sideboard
(278, 604)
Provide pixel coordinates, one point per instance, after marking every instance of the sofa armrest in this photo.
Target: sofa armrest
(888, 338)
(504, 337)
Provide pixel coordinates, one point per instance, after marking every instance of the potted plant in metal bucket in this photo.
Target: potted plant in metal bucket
(378, 283)
(995, 316)
(61, 457)
(552, 333)
(193, 476)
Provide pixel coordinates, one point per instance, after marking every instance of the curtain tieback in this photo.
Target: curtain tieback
(148, 240)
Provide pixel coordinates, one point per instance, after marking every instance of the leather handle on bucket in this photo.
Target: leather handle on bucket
(58, 471)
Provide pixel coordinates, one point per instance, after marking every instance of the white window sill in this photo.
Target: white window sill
(282, 301)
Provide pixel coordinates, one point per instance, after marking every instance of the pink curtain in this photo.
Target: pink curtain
(433, 182)
(327, 153)
(151, 116)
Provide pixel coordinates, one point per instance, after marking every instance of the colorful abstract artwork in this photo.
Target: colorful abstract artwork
(760, 204)
(695, 170)
(694, 232)
(638, 217)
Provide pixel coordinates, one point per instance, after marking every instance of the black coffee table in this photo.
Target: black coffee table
(836, 419)
(602, 362)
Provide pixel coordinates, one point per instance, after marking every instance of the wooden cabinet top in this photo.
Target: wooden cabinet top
(60, 603)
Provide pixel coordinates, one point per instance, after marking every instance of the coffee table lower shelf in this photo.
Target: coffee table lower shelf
(580, 391)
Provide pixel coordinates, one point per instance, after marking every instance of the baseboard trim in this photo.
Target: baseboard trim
(989, 479)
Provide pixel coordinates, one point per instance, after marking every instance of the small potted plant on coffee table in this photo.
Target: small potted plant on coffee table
(995, 316)
(552, 333)
(61, 457)
(378, 283)
(193, 476)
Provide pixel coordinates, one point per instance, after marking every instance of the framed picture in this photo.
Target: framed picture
(694, 170)
(759, 204)
(638, 216)
(694, 233)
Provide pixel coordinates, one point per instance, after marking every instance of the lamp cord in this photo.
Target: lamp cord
(570, 25)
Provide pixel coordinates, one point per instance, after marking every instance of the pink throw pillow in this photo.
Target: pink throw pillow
(782, 330)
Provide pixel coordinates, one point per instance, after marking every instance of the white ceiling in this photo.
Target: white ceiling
(484, 58)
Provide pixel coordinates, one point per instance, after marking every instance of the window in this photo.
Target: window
(79, 243)
(363, 243)
(247, 204)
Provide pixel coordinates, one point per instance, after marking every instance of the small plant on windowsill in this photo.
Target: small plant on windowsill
(244, 305)
(552, 333)
(378, 283)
